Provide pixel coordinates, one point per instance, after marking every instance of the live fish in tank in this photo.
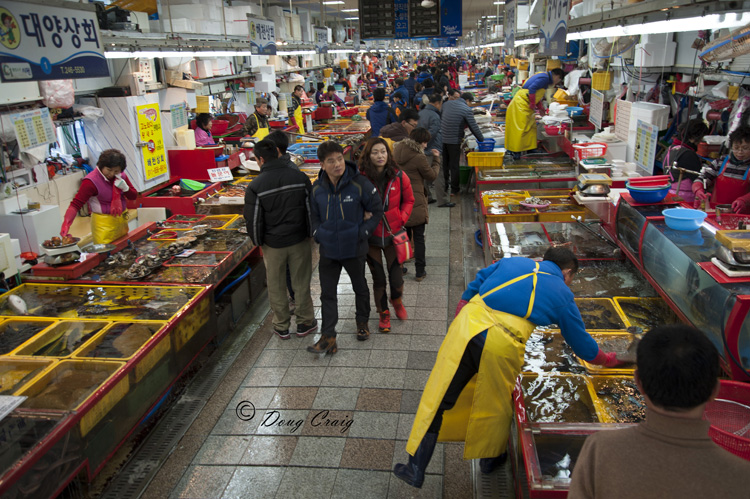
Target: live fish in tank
(18, 305)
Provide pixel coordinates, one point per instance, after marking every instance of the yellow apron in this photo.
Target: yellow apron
(484, 410)
(107, 228)
(298, 120)
(520, 125)
(261, 133)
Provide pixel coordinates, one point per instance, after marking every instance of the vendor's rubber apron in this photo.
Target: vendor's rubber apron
(261, 133)
(298, 120)
(107, 228)
(520, 124)
(726, 189)
(484, 410)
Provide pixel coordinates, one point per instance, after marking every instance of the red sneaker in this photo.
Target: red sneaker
(398, 307)
(385, 322)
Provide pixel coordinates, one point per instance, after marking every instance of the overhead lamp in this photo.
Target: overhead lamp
(349, 10)
(295, 52)
(333, 2)
(427, 4)
(527, 41)
(498, 3)
(352, 18)
(712, 22)
(151, 54)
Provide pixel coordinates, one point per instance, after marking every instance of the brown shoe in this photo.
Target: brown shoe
(326, 344)
(363, 331)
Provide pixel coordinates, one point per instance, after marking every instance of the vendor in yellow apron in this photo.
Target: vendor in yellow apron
(520, 123)
(297, 107)
(261, 110)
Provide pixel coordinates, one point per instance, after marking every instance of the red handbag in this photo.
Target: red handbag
(402, 243)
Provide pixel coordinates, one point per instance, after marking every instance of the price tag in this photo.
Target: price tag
(596, 112)
(185, 253)
(220, 174)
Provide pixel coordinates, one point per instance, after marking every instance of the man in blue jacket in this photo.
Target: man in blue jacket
(379, 113)
(345, 210)
(400, 90)
(410, 83)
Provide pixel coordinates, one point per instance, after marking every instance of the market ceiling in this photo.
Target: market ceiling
(473, 10)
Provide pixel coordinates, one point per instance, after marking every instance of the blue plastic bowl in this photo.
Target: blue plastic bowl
(647, 195)
(683, 218)
(574, 111)
(487, 145)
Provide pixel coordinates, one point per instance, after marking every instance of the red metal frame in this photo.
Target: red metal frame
(176, 204)
(226, 254)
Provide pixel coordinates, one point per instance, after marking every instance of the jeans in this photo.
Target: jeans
(416, 234)
(395, 275)
(451, 159)
(330, 271)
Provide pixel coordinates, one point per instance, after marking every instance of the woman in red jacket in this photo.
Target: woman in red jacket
(394, 188)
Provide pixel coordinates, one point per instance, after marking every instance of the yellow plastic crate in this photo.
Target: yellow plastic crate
(610, 413)
(733, 92)
(616, 320)
(503, 197)
(35, 325)
(190, 324)
(485, 160)
(15, 373)
(92, 401)
(523, 65)
(508, 59)
(562, 216)
(619, 338)
(655, 311)
(596, 404)
(601, 80)
(553, 63)
(56, 335)
(226, 219)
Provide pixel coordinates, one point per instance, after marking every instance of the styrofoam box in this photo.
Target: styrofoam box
(203, 68)
(655, 114)
(661, 54)
(229, 15)
(178, 25)
(265, 69)
(266, 78)
(264, 86)
(208, 27)
(13, 203)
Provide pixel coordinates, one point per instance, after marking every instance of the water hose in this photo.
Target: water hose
(478, 238)
(231, 284)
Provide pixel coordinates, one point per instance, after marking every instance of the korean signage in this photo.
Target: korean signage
(221, 174)
(443, 42)
(178, 113)
(33, 128)
(554, 29)
(262, 36)
(450, 18)
(321, 40)
(49, 43)
(149, 132)
(596, 112)
(509, 26)
(401, 14)
(646, 143)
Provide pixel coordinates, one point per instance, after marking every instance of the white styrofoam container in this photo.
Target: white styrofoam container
(655, 114)
(616, 150)
(222, 67)
(178, 25)
(7, 256)
(265, 69)
(208, 27)
(14, 203)
(264, 86)
(293, 26)
(203, 68)
(655, 54)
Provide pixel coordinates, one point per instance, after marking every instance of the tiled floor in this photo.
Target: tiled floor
(334, 426)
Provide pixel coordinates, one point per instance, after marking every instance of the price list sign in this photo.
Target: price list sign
(33, 128)
(645, 145)
(178, 112)
(149, 132)
(554, 30)
(596, 112)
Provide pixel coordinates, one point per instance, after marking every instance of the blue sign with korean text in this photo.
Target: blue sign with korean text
(262, 36)
(509, 24)
(443, 42)
(450, 18)
(401, 13)
(49, 43)
(554, 29)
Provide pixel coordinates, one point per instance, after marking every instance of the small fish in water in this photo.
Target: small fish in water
(18, 305)
(73, 337)
(156, 305)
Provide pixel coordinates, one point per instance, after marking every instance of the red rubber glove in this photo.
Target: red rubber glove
(700, 194)
(606, 359)
(460, 306)
(64, 229)
(741, 204)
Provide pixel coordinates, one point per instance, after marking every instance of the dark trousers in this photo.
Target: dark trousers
(466, 370)
(416, 234)
(330, 271)
(289, 282)
(451, 159)
(395, 275)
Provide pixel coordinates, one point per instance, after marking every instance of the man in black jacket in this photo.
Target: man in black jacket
(277, 213)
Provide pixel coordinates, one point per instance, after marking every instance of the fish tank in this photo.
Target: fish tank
(556, 398)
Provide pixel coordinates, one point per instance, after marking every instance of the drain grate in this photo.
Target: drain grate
(133, 478)
(498, 484)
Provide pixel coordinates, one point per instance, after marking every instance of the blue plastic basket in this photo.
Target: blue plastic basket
(307, 151)
(487, 145)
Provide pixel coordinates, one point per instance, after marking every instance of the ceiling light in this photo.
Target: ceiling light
(333, 2)
(712, 22)
(352, 18)
(296, 52)
(499, 3)
(527, 41)
(428, 4)
(174, 53)
(349, 10)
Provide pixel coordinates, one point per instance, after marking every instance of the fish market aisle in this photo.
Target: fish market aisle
(301, 425)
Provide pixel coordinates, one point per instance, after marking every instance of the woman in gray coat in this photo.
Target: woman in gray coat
(410, 157)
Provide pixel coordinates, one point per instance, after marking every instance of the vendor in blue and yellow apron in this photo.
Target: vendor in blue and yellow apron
(256, 124)
(486, 342)
(727, 179)
(105, 191)
(520, 122)
(297, 108)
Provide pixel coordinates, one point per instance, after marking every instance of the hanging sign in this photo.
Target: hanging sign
(646, 143)
(401, 18)
(178, 112)
(149, 133)
(450, 18)
(443, 42)
(321, 40)
(623, 109)
(596, 112)
(33, 128)
(510, 24)
(554, 29)
(38, 42)
(262, 36)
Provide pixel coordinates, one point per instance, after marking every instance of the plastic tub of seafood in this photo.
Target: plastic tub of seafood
(557, 398)
(646, 313)
(620, 399)
(611, 342)
(600, 314)
(547, 352)
(199, 258)
(16, 331)
(61, 340)
(122, 340)
(89, 387)
(562, 213)
(16, 372)
(217, 221)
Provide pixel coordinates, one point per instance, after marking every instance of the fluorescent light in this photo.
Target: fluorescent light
(349, 10)
(352, 18)
(333, 2)
(527, 41)
(498, 3)
(174, 53)
(712, 22)
(295, 52)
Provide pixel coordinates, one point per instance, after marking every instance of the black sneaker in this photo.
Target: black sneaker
(305, 329)
(488, 465)
(404, 269)
(420, 277)
(363, 331)
(284, 335)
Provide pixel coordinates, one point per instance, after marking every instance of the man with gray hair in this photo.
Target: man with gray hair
(256, 124)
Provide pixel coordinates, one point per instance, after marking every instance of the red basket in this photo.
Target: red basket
(349, 112)
(729, 416)
(590, 150)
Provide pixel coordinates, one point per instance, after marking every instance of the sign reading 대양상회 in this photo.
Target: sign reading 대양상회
(262, 36)
(38, 42)
(150, 134)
